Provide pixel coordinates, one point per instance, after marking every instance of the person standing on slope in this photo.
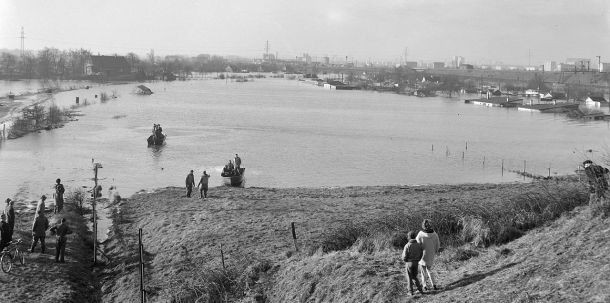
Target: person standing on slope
(431, 244)
(598, 183)
(411, 255)
(190, 182)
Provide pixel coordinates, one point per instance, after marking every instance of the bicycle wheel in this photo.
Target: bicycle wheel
(20, 256)
(6, 263)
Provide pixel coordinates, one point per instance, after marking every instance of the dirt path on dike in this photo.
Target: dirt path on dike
(43, 280)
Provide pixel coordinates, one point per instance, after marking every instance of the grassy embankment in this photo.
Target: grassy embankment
(43, 280)
(350, 239)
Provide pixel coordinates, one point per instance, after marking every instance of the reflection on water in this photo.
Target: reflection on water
(291, 134)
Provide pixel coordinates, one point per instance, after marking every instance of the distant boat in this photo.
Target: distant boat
(157, 137)
(234, 180)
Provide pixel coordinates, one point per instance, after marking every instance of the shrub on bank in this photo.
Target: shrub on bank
(481, 223)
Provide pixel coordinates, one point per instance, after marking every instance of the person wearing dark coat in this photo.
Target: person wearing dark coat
(411, 254)
(598, 183)
(190, 182)
(9, 211)
(39, 229)
(59, 196)
(4, 232)
(61, 232)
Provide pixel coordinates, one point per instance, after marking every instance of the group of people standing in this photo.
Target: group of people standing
(203, 184)
(205, 177)
(232, 168)
(419, 254)
(40, 224)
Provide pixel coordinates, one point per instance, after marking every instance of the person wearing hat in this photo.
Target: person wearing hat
(9, 211)
(190, 182)
(39, 229)
(4, 233)
(598, 183)
(41, 205)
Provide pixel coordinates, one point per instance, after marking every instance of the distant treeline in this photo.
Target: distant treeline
(52, 63)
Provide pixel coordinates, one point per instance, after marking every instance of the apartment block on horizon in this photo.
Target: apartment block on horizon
(550, 66)
(579, 63)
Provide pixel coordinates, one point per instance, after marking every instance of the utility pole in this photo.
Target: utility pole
(96, 166)
(22, 37)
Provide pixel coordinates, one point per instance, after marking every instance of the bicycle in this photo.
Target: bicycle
(11, 254)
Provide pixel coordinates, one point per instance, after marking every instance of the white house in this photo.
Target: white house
(597, 103)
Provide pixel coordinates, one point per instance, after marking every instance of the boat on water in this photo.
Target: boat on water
(157, 137)
(233, 179)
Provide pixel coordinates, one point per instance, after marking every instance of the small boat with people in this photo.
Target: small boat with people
(157, 137)
(233, 174)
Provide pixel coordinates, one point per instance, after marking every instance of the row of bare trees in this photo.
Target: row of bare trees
(47, 63)
(52, 63)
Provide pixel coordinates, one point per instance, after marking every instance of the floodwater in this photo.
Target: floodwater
(290, 134)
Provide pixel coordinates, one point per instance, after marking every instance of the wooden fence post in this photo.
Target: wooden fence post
(294, 236)
(222, 257)
(141, 251)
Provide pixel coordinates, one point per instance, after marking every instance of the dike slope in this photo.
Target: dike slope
(566, 261)
(182, 239)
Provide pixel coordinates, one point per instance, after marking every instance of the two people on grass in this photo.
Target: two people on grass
(203, 184)
(419, 254)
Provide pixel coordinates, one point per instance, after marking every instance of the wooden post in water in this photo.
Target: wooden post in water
(294, 236)
(483, 160)
(222, 257)
(462, 156)
(502, 167)
(447, 151)
(432, 147)
(524, 165)
(466, 145)
(549, 171)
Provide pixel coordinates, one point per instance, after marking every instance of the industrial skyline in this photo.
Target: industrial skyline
(512, 32)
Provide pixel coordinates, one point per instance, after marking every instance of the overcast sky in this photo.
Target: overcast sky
(479, 30)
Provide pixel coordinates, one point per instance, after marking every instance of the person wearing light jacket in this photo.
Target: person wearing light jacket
(431, 244)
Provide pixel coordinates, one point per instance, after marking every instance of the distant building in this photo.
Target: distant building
(598, 102)
(531, 68)
(107, 65)
(411, 64)
(564, 67)
(466, 66)
(579, 63)
(268, 57)
(326, 60)
(550, 66)
(604, 67)
(437, 65)
(457, 61)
